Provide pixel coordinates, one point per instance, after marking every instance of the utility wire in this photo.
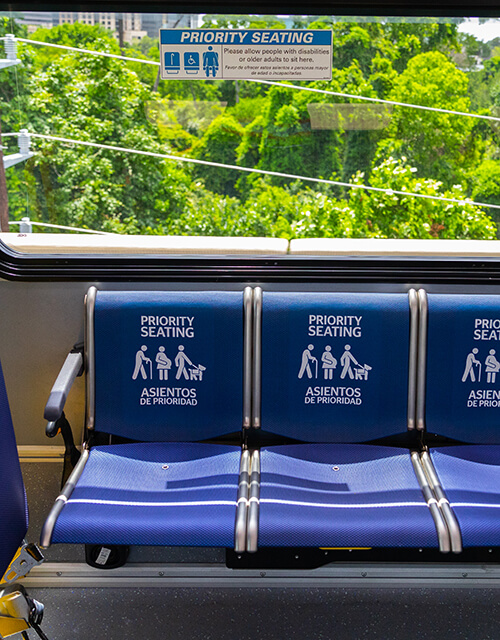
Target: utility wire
(278, 84)
(89, 51)
(264, 172)
(379, 100)
(61, 226)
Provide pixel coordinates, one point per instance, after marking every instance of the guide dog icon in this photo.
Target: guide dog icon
(186, 368)
(196, 372)
(351, 367)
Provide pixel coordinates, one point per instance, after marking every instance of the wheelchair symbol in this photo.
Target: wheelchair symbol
(191, 62)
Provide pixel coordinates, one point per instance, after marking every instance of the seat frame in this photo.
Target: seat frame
(247, 506)
(75, 364)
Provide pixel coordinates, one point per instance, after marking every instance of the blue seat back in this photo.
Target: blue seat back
(13, 508)
(335, 366)
(168, 364)
(463, 367)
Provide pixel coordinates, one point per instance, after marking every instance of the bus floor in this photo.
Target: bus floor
(269, 614)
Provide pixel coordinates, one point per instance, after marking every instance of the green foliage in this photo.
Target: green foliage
(219, 144)
(385, 214)
(242, 22)
(300, 133)
(101, 100)
(487, 185)
(439, 144)
(288, 143)
(284, 212)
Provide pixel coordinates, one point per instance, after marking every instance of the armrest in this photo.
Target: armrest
(71, 368)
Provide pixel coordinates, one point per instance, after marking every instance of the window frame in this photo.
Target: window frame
(15, 265)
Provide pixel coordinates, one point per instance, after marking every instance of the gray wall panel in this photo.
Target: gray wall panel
(39, 323)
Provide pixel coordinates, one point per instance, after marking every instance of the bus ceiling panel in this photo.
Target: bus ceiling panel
(319, 7)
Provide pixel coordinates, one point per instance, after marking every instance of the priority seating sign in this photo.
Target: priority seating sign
(246, 54)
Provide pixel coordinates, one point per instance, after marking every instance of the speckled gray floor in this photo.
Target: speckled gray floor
(270, 614)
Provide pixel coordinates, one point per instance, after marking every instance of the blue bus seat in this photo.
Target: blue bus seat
(169, 494)
(165, 369)
(13, 505)
(470, 476)
(462, 403)
(338, 369)
(342, 495)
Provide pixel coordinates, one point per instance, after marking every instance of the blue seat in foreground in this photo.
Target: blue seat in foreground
(339, 369)
(462, 403)
(13, 506)
(18, 611)
(164, 368)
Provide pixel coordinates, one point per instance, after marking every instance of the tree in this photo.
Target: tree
(98, 99)
(111, 102)
(486, 186)
(440, 145)
(219, 144)
(288, 143)
(384, 214)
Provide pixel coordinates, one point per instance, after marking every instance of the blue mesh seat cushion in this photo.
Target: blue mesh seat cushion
(174, 494)
(13, 508)
(470, 476)
(342, 495)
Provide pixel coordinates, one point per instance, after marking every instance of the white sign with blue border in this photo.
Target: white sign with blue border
(246, 54)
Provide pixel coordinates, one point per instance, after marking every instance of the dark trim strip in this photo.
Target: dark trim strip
(140, 268)
(319, 7)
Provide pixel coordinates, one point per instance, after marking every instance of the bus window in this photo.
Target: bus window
(112, 146)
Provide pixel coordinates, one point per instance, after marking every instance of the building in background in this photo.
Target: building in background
(126, 27)
(37, 19)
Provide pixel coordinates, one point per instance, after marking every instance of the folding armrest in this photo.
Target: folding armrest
(71, 369)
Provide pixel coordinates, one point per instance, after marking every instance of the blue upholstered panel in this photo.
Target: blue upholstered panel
(13, 510)
(334, 495)
(127, 496)
(335, 365)
(169, 364)
(470, 475)
(463, 385)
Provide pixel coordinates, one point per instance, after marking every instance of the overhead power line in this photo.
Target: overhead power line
(89, 51)
(59, 226)
(338, 94)
(278, 174)
(378, 100)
